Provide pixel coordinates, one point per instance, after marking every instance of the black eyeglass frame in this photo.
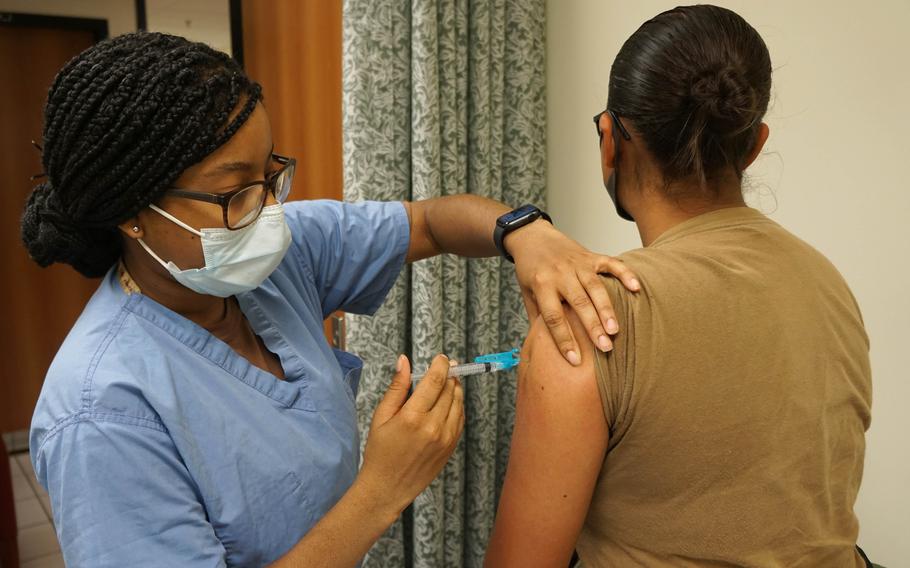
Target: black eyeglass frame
(615, 118)
(224, 199)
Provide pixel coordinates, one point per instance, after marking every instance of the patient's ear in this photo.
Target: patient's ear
(607, 147)
(763, 133)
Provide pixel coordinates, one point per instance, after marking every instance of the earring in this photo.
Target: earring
(135, 228)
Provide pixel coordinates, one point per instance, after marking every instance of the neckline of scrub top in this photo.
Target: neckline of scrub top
(205, 344)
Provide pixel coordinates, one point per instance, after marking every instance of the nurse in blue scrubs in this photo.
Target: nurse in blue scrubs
(194, 415)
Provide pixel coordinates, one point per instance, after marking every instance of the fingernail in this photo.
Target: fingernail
(573, 358)
(612, 326)
(452, 362)
(635, 284)
(604, 343)
(399, 363)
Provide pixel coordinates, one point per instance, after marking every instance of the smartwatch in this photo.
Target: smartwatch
(515, 219)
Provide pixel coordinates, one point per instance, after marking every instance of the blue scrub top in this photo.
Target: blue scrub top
(160, 446)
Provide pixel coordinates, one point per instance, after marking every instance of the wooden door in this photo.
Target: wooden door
(293, 49)
(39, 305)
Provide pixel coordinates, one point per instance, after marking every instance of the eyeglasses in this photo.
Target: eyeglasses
(615, 118)
(241, 206)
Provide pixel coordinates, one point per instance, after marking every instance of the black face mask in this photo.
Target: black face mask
(610, 184)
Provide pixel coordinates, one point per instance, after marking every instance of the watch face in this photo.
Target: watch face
(518, 214)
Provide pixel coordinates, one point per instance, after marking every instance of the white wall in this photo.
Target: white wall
(207, 21)
(833, 173)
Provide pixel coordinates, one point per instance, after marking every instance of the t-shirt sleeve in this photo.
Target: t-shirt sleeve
(353, 251)
(121, 496)
(615, 369)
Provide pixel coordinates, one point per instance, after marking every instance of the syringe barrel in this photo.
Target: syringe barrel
(465, 369)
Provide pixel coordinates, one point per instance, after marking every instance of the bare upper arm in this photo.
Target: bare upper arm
(423, 245)
(558, 447)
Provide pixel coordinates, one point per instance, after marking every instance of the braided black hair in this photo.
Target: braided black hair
(123, 120)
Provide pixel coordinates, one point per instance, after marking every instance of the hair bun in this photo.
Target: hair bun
(50, 235)
(47, 234)
(728, 100)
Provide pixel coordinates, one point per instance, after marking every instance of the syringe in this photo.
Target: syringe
(483, 364)
(466, 369)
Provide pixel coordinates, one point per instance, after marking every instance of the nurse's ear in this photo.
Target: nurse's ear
(131, 228)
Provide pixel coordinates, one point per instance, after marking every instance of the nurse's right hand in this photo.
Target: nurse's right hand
(411, 438)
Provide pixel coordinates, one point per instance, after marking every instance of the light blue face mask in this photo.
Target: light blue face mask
(235, 261)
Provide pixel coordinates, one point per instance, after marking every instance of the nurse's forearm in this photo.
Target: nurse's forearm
(456, 224)
(462, 224)
(345, 534)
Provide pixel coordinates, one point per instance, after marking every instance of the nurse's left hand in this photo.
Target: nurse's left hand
(553, 269)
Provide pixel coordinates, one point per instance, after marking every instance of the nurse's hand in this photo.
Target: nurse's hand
(552, 269)
(411, 438)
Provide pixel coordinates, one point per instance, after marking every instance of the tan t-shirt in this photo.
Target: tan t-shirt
(737, 398)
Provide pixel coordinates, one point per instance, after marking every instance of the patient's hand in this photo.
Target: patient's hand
(552, 269)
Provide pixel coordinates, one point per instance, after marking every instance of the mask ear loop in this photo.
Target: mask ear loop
(155, 256)
(618, 130)
(173, 219)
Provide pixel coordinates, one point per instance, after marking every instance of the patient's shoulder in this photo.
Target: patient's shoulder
(659, 271)
(546, 379)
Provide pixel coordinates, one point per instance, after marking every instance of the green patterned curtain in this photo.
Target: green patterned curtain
(445, 97)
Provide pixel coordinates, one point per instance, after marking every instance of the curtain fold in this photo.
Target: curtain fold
(440, 98)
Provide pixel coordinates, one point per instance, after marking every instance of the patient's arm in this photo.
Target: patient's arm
(558, 448)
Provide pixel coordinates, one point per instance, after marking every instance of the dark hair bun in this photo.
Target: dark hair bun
(726, 99)
(51, 236)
